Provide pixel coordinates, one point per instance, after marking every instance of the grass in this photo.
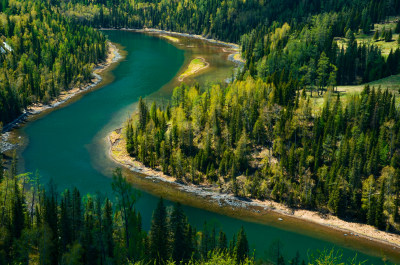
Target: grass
(170, 38)
(195, 66)
(385, 47)
(392, 83)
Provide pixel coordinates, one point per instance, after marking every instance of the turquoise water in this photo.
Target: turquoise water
(67, 145)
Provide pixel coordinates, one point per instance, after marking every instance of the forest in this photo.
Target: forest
(274, 36)
(42, 54)
(263, 140)
(262, 136)
(42, 226)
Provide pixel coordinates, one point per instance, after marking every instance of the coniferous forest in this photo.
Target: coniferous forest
(41, 226)
(262, 136)
(281, 130)
(48, 53)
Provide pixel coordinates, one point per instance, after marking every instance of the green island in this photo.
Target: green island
(195, 66)
(307, 127)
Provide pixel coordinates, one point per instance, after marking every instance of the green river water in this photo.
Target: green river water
(68, 145)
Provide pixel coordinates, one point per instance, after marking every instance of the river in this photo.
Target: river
(68, 144)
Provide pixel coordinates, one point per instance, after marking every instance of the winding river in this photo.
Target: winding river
(69, 146)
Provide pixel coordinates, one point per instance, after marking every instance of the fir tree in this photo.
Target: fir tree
(242, 246)
(177, 227)
(388, 36)
(159, 234)
(376, 35)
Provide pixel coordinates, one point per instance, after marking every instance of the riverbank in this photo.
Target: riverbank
(350, 230)
(36, 108)
(234, 49)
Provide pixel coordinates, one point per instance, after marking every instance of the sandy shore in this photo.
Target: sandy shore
(36, 108)
(119, 154)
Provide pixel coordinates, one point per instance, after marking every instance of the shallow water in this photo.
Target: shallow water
(68, 145)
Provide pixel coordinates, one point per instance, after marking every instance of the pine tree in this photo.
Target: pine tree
(383, 33)
(177, 227)
(397, 29)
(65, 221)
(76, 215)
(376, 35)
(222, 241)
(389, 36)
(126, 199)
(17, 212)
(242, 246)
(108, 228)
(143, 113)
(323, 71)
(159, 234)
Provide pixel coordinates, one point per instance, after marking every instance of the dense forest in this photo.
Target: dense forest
(262, 136)
(226, 20)
(42, 54)
(42, 226)
(274, 35)
(264, 140)
(45, 227)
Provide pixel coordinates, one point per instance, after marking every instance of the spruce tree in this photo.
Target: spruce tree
(242, 246)
(222, 241)
(389, 36)
(17, 224)
(397, 29)
(159, 234)
(143, 113)
(108, 228)
(177, 227)
(376, 35)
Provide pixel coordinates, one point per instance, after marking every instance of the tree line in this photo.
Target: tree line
(313, 55)
(42, 226)
(39, 225)
(225, 20)
(47, 53)
(273, 35)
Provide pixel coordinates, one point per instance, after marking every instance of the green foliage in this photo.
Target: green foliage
(332, 257)
(45, 227)
(48, 54)
(388, 35)
(159, 234)
(126, 199)
(311, 160)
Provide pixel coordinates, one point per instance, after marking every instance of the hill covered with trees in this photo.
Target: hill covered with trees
(42, 54)
(294, 36)
(263, 140)
(259, 136)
